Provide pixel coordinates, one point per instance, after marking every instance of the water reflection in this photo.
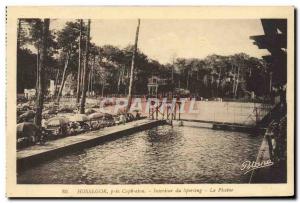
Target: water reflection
(160, 155)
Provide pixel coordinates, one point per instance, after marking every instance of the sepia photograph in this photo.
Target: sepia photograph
(158, 101)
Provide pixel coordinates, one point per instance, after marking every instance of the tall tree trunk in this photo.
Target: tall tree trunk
(132, 65)
(233, 85)
(102, 91)
(219, 78)
(81, 78)
(119, 80)
(79, 64)
(91, 76)
(43, 56)
(218, 83)
(89, 82)
(237, 81)
(85, 68)
(187, 80)
(21, 70)
(212, 86)
(172, 76)
(56, 82)
(92, 82)
(62, 84)
(270, 83)
(37, 68)
(19, 35)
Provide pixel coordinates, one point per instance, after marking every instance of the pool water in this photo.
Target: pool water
(164, 154)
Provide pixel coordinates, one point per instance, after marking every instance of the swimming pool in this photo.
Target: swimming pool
(164, 154)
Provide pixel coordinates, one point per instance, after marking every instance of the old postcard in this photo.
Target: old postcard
(150, 101)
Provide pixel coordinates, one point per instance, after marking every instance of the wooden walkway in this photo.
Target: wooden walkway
(271, 174)
(37, 153)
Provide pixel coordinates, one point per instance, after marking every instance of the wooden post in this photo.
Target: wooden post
(85, 68)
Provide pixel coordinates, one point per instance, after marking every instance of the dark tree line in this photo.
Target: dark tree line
(233, 76)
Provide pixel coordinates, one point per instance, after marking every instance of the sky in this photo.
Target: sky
(163, 40)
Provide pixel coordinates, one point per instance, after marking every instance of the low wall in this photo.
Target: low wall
(243, 113)
(228, 112)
